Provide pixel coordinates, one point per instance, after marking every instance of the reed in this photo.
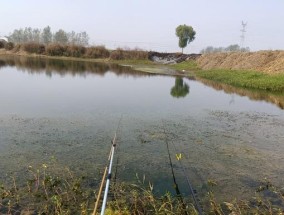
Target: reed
(128, 54)
(48, 192)
(33, 47)
(9, 46)
(97, 52)
(55, 49)
(2, 44)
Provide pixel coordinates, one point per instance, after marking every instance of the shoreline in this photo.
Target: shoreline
(246, 79)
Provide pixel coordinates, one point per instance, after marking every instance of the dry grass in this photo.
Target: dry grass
(127, 54)
(97, 52)
(32, 47)
(271, 62)
(9, 46)
(2, 44)
(74, 51)
(55, 50)
(63, 193)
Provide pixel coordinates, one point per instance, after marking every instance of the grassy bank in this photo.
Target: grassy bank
(142, 65)
(187, 66)
(245, 79)
(138, 61)
(46, 192)
(71, 50)
(239, 78)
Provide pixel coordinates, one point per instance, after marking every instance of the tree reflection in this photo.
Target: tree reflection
(35, 65)
(180, 89)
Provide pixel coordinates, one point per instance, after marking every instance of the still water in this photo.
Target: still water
(70, 111)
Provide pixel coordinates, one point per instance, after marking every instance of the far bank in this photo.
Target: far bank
(263, 70)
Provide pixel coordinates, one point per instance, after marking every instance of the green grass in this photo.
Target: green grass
(186, 65)
(134, 62)
(245, 79)
(238, 78)
(52, 189)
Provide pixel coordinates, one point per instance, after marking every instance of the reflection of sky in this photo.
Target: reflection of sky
(40, 95)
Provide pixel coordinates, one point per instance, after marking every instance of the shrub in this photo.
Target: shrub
(9, 46)
(117, 54)
(75, 51)
(135, 54)
(97, 52)
(33, 47)
(2, 44)
(55, 50)
(17, 48)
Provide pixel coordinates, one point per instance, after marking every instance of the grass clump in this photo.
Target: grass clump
(188, 65)
(238, 78)
(2, 44)
(9, 46)
(267, 200)
(97, 52)
(140, 199)
(245, 79)
(127, 54)
(74, 51)
(33, 47)
(45, 193)
(55, 49)
(61, 192)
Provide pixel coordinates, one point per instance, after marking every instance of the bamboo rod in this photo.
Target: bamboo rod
(100, 192)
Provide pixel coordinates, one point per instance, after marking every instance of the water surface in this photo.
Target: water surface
(70, 110)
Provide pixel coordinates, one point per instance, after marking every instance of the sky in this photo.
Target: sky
(150, 24)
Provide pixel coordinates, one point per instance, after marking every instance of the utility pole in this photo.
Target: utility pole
(243, 30)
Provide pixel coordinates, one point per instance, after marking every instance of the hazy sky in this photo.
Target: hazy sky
(151, 24)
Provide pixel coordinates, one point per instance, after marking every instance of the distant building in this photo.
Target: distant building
(5, 39)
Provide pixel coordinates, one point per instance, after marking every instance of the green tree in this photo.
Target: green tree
(78, 38)
(84, 38)
(180, 89)
(186, 34)
(61, 37)
(46, 35)
(17, 36)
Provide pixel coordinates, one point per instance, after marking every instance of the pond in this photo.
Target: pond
(70, 110)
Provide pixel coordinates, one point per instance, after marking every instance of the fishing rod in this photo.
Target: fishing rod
(192, 191)
(172, 170)
(108, 177)
(108, 169)
(179, 195)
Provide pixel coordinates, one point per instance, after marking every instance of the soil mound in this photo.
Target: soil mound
(171, 58)
(271, 62)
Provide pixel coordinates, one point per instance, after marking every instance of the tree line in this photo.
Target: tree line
(46, 36)
(230, 48)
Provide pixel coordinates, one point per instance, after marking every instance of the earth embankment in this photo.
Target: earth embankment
(271, 62)
(171, 58)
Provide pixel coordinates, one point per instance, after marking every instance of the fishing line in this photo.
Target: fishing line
(192, 191)
(117, 160)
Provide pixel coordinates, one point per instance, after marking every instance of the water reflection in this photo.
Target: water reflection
(49, 67)
(255, 95)
(34, 65)
(181, 89)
